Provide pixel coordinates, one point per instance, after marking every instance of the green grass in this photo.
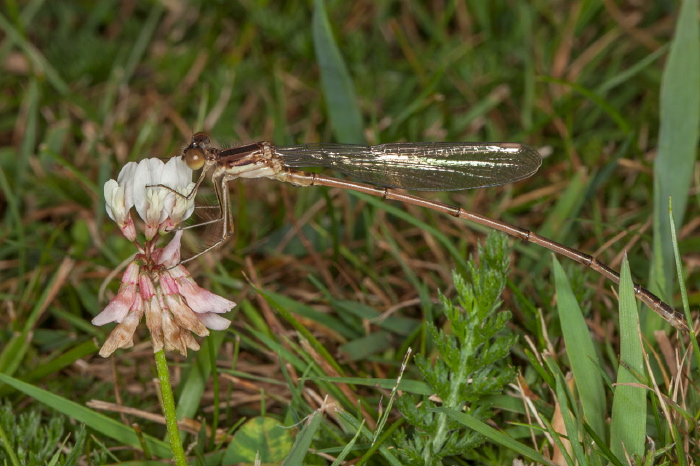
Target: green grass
(333, 287)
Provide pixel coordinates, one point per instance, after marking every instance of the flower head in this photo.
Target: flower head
(155, 284)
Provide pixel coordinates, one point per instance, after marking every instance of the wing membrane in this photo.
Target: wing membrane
(429, 166)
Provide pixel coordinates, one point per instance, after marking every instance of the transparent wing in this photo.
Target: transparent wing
(424, 166)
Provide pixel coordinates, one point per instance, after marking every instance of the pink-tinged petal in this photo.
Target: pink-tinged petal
(199, 299)
(117, 308)
(169, 285)
(202, 301)
(167, 227)
(214, 321)
(150, 231)
(131, 274)
(128, 229)
(122, 336)
(146, 287)
(170, 254)
(154, 322)
(184, 316)
(178, 272)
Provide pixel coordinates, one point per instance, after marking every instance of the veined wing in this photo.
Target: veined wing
(423, 166)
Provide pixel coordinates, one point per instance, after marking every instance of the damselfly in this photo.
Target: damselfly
(429, 166)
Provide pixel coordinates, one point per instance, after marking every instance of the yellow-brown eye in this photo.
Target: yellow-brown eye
(195, 154)
(194, 157)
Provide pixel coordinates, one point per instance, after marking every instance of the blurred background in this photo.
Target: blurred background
(89, 86)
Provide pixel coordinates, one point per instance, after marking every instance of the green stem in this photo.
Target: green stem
(166, 392)
(457, 381)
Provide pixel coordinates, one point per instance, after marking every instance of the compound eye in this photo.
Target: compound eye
(201, 139)
(194, 157)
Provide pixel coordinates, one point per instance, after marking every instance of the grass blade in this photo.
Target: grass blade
(338, 90)
(629, 408)
(678, 138)
(584, 360)
(304, 439)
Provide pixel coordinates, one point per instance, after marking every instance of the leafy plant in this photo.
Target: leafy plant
(468, 365)
(27, 437)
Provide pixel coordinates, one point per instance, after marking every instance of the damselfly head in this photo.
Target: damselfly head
(195, 154)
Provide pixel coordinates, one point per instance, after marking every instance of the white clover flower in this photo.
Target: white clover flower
(155, 284)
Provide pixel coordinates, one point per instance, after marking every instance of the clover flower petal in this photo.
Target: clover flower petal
(119, 201)
(123, 334)
(119, 306)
